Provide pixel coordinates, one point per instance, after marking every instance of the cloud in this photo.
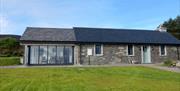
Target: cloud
(3, 24)
(7, 26)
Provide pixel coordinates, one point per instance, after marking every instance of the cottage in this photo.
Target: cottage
(97, 46)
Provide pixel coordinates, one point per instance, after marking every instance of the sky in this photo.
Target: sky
(16, 15)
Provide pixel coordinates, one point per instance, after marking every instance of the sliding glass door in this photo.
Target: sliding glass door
(60, 54)
(43, 55)
(51, 54)
(68, 55)
(34, 51)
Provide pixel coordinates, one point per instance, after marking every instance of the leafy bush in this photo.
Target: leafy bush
(5, 61)
(10, 47)
(169, 62)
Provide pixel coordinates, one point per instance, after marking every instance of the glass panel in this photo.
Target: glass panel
(68, 55)
(145, 54)
(162, 50)
(34, 54)
(130, 50)
(43, 55)
(98, 49)
(52, 54)
(60, 55)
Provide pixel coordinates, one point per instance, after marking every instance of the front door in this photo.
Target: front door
(146, 54)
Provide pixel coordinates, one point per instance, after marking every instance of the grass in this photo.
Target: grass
(88, 79)
(5, 61)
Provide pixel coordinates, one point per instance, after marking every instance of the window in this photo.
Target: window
(98, 49)
(130, 50)
(68, 55)
(43, 55)
(51, 54)
(34, 54)
(162, 50)
(60, 55)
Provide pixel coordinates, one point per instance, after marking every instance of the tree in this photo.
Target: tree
(173, 26)
(10, 47)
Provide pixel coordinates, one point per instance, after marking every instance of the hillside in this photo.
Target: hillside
(10, 35)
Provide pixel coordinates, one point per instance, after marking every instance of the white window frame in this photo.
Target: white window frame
(164, 50)
(132, 50)
(101, 50)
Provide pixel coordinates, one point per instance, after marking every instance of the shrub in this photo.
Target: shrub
(169, 62)
(10, 47)
(5, 61)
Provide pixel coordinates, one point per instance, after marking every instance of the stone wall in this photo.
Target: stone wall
(171, 54)
(117, 54)
(112, 54)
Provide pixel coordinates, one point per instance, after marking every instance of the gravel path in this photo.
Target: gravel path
(157, 66)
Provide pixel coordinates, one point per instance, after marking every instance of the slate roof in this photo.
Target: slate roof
(98, 35)
(123, 36)
(48, 34)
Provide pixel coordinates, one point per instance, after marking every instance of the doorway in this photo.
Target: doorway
(146, 54)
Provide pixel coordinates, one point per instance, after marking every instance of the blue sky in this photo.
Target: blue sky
(16, 15)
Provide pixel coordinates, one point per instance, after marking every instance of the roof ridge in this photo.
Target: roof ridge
(49, 28)
(117, 29)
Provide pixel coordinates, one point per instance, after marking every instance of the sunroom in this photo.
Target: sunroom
(50, 54)
(46, 47)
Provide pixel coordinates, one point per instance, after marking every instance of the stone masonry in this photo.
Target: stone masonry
(117, 54)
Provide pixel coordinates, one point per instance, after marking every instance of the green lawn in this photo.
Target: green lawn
(88, 79)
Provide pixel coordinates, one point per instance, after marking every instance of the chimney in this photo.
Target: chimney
(160, 28)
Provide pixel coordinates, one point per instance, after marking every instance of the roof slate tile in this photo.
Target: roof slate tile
(101, 35)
